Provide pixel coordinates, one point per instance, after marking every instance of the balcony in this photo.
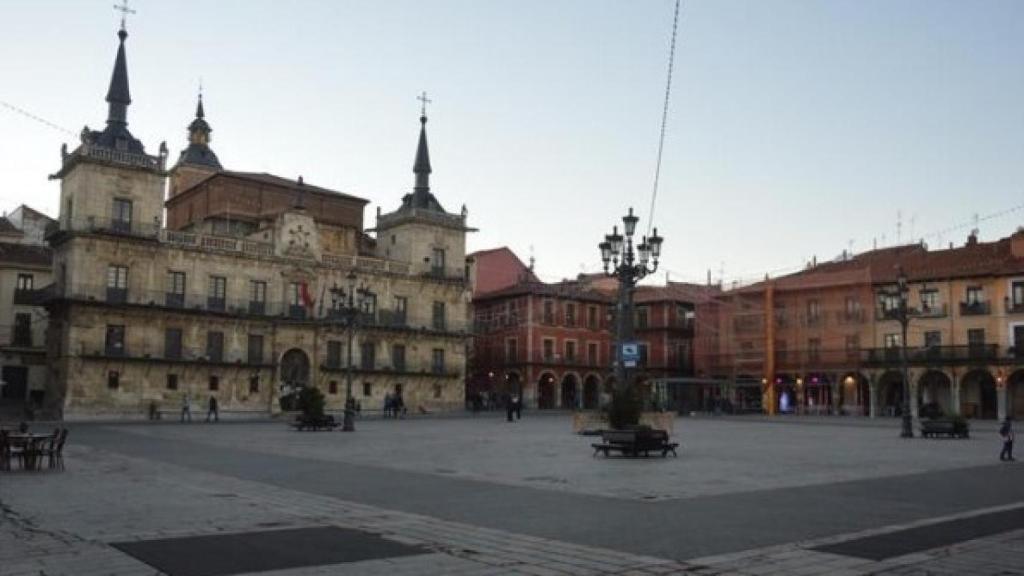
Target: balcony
(934, 311)
(975, 308)
(848, 317)
(1012, 307)
(117, 295)
(215, 304)
(173, 300)
(814, 321)
(257, 307)
(931, 355)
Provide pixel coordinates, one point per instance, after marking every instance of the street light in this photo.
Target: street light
(346, 308)
(629, 266)
(903, 317)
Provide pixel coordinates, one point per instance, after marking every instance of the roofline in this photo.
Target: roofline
(315, 190)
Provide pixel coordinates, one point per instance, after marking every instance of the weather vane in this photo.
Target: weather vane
(124, 10)
(424, 100)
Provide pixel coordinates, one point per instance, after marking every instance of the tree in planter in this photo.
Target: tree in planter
(311, 402)
(624, 409)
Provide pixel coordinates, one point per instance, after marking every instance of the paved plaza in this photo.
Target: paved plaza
(478, 495)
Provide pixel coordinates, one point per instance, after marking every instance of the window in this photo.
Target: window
(214, 383)
(643, 350)
(974, 295)
(332, 387)
(437, 361)
(23, 329)
(367, 355)
(852, 344)
(976, 337)
(570, 315)
(439, 320)
(592, 353)
(218, 293)
(367, 388)
(642, 317)
(176, 289)
(172, 343)
(592, 317)
(215, 346)
(122, 217)
(113, 379)
(1017, 293)
(929, 301)
(813, 311)
(398, 357)
(549, 312)
(115, 340)
(852, 308)
(117, 284)
(511, 350)
(570, 351)
(890, 303)
(255, 348)
(437, 262)
(25, 282)
(401, 308)
(437, 391)
(814, 349)
(892, 340)
(172, 381)
(296, 307)
(549, 349)
(254, 384)
(932, 339)
(257, 297)
(333, 354)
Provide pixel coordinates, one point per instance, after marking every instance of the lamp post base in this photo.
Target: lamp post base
(348, 423)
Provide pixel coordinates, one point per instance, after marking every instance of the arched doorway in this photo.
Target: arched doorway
(591, 392)
(786, 401)
(294, 373)
(854, 394)
(890, 394)
(818, 394)
(978, 395)
(934, 394)
(570, 392)
(1015, 394)
(546, 391)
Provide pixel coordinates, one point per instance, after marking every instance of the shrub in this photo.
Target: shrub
(624, 409)
(311, 402)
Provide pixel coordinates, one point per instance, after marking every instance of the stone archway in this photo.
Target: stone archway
(591, 392)
(854, 394)
(570, 392)
(978, 395)
(934, 394)
(294, 376)
(546, 391)
(1015, 395)
(890, 394)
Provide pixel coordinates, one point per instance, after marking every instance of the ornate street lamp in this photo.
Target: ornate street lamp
(629, 265)
(903, 316)
(347, 308)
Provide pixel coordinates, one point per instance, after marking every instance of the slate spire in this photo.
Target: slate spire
(118, 96)
(422, 165)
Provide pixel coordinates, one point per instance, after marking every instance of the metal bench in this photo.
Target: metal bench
(635, 442)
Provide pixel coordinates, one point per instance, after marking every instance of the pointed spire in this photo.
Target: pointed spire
(422, 166)
(199, 106)
(198, 152)
(118, 96)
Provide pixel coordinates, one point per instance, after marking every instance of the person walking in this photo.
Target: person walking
(1006, 433)
(517, 405)
(186, 407)
(212, 409)
(509, 407)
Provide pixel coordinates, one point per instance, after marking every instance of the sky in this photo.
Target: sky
(796, 129)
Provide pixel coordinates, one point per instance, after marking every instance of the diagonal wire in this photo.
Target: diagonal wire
(32, 116)
(664, 117)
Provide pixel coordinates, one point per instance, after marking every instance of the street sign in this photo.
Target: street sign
(630, 354)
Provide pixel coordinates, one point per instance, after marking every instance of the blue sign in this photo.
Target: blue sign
(630, 354)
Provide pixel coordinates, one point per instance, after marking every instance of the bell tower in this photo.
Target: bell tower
(198, 160)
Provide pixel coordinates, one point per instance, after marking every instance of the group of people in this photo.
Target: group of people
(394, 405)
(212, 410)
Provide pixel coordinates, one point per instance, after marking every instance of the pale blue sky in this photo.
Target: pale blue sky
(795, 127)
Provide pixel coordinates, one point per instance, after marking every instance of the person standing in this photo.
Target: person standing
(517, 405)
(212, 409)
(1006, 432)
(186, 407)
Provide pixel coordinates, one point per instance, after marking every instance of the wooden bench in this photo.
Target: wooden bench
(635, 442)
(314, 423)
(933, 428)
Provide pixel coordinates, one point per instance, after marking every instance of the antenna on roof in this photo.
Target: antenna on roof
(899, 226)
(532, 259)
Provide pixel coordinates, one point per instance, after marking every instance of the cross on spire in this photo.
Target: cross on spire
(424, 101)
(124, 10)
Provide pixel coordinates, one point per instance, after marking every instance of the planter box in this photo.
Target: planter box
(596, 420)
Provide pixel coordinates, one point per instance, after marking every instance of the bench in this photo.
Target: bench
(951, 428)
(314, 423)
(634, 442)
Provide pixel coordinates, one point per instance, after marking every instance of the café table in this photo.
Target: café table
(32, 444)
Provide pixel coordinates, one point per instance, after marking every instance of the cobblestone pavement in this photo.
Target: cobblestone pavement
(64, 523)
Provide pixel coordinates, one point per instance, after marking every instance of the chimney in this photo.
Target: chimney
(1017, 244)
(972, 239)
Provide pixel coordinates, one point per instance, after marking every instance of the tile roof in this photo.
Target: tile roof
(25, 254)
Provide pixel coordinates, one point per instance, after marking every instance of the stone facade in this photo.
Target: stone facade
(142, 314)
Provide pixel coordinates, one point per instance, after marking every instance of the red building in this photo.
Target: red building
(553, 343)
